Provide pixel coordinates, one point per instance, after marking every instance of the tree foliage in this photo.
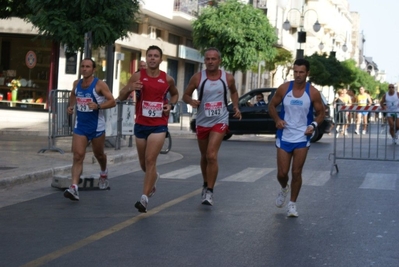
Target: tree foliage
(241, 32)
(14, 8)
(67, 21)
(328, 71)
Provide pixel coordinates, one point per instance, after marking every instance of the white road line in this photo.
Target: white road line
(382, 181)
(183, 173)
(248, 175)
(315, 178)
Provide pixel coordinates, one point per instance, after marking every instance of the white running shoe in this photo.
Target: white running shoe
(155, 186)
(141, 205)
(72, 193)
(103, 182)
(394, 141)
(364, 132)
(208, 199)
(282, 195)
(291, 210)
(203, 193)
(356, 132)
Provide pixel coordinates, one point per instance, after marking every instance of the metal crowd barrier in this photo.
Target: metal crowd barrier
(119, 121)
(60, 122)
(375, 143)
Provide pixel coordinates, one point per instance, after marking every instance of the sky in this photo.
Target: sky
(378, 22)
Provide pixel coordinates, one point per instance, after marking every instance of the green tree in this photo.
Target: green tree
(328, 71)
(14, 8)
(67, 21)
(282, 58)
(241, 32)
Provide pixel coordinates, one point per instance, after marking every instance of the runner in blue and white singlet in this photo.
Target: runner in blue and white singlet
(295, 123)
(88, 121)
(298, 115)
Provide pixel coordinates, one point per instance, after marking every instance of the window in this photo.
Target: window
(174, 39)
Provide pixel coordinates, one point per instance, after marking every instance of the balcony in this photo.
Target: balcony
(185, 11)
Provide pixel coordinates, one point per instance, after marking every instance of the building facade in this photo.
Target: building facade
(167, 24)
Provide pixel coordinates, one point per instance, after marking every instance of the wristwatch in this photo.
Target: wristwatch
(98, 106)
(171, 106)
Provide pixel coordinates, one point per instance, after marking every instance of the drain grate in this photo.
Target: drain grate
(7, 168)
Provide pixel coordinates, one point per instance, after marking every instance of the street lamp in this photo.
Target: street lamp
(301, 33)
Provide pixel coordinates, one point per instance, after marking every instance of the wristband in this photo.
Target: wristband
(314, 124)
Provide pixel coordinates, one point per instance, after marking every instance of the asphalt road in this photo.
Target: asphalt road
(348, 219)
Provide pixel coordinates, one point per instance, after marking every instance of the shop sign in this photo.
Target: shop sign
(30, 59)
(190, 54)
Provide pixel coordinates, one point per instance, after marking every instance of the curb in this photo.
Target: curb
(61, 170)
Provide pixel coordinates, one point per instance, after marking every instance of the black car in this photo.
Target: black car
(256, 119)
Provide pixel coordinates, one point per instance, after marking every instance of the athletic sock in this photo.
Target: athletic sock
(209, 189)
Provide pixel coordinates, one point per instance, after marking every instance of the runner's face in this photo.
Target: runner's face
(212, 60)
(153, 59)
(300, 74)
(86, 68)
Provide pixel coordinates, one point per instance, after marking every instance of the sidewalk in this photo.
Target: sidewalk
(23, 134)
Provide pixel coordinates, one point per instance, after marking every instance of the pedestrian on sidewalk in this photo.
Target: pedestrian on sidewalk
(152, 113)
(89, 96)
(295, 125)
(212, 115)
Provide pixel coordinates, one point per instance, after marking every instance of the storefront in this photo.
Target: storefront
(25, 60)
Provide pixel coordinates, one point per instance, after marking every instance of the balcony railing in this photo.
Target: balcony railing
(190, 7)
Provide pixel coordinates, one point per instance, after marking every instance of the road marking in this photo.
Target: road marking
(382, 181)
(183, 173)
(315, 178)
(248, 175)
(116, 228)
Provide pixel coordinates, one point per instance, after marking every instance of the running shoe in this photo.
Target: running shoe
(203, 193)
(291, 210)
(141, 205)
(103, 182)
(72, 193)
(155, 186)
(356, 132)
(282, 195)
(364, 132)
(208, 199)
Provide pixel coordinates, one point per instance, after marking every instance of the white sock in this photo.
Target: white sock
(76, 186)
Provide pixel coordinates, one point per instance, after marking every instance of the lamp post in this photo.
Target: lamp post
(301, 33)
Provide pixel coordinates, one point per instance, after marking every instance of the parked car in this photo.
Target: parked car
(256, 119)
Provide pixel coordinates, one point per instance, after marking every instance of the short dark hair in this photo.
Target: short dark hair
(92, 61)
(213, 49)
(302, 62)
(154, 47)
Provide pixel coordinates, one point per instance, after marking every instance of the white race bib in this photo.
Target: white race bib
(213, 109)
(82, 104)
(152, 109)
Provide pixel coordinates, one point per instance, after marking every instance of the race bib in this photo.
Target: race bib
(82, 104)
(213, 109)
(152, 109)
